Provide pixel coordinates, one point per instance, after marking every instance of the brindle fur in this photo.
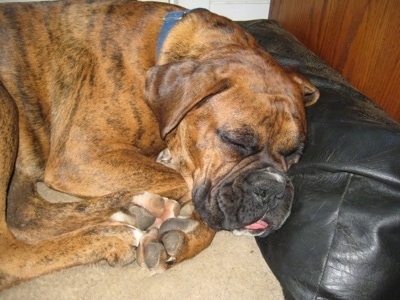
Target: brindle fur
(73, 114)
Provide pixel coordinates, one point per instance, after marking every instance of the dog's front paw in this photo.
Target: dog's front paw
(163, 235)
(161, 248)
(176, 240)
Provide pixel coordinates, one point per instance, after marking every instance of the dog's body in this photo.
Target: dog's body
(83, 99)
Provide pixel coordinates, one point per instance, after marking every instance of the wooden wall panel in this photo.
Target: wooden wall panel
(358, 38)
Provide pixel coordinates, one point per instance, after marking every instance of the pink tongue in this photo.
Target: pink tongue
(257, 225)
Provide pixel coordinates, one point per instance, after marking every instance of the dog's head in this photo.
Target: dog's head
(234, 125)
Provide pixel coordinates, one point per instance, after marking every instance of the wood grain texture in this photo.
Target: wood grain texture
(358, 38)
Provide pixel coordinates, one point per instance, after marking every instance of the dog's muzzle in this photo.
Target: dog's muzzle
(254, 203)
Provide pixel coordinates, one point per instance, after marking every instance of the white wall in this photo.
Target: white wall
(233, 9)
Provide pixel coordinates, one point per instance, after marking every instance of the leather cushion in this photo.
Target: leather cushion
(342, 240)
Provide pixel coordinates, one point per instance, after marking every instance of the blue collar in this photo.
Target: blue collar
(170, 20)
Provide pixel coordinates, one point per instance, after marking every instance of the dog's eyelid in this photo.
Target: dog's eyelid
(244, 140)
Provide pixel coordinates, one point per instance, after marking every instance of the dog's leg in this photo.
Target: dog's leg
(108, 241)
(32, 218)
(20, 260)
(8, 150)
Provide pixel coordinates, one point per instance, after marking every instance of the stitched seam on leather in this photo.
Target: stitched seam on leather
(342, 197)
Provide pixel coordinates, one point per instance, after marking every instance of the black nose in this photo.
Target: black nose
(267, 184)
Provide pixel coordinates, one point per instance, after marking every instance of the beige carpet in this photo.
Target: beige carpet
(231, 268)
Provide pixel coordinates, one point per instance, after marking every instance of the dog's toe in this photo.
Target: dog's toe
(155, 256)
(184, 225)
(144, 219)
(151, 254)
(136, 216)
(153, 203)
(174, 233)
(148, 238)
(173, 242)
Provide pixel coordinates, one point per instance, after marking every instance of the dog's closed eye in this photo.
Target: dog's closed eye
(244, 140)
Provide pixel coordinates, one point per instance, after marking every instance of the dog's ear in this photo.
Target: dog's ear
(310, 92)
(172, 90)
